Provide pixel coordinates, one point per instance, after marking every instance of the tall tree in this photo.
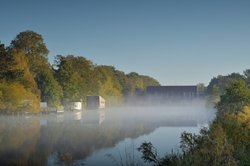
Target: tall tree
(18, 90)
(7, 72)
(109, 84)
(34, 48)
(223, 81)
(75, 75)
(213, 97)
(36, 53)
(51, 91)
(235, 98)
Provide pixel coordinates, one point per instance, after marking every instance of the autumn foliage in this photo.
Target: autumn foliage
(26, 77)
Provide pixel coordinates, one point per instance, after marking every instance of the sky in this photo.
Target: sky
(178, 42)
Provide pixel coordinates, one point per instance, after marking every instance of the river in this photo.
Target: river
(97, 137)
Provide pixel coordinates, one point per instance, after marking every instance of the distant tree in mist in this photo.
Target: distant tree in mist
(223, 81)
(138, 83)
(214, 96)
(109, 84)
(78, 78)
(201, 87)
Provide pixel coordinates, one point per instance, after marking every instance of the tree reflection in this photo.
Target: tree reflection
(68, 139)
(39, 140)
(18, 137)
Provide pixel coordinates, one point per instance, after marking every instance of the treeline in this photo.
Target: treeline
(217, 85)
(227, 140)
(26, 77)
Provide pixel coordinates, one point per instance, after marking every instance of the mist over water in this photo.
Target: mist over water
(86, 137)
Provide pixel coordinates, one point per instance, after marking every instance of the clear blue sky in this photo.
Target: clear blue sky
(175, 41)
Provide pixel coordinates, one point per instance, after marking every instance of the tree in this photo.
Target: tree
(225, 142)
(235, 98)
(7, 62)
(15, 98)
(75, 75)
(138, 83)
(18, 90)
(109, 84)
(223, 81)
(201, 88)
(34, 48)
(214, 96)
(36, 53)
(123, 81)
(149, 81)
(51, 91)
(149, 152)
(134, 83)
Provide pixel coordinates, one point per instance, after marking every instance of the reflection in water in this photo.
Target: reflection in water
(18, 139)
(93, 116)
(73, 137)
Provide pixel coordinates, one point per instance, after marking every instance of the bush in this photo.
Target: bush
(14, 97)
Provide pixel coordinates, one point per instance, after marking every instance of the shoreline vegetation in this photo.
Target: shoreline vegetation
(225, 142)
(27, 78)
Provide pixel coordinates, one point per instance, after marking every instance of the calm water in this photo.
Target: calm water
(106, 137)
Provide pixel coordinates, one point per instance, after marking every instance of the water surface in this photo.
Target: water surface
(96, 137)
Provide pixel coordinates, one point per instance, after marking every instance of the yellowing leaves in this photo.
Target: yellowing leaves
(14, 97)
(110, 92)
(244, 116)
(20, 63)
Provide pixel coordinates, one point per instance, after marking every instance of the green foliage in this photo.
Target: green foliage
(214, 96)
(7, 72)
(149, 153)
(218, 85)
(109, 85)
(51, 91)
(75, 75)
(20, 64)
(78, 78)
(210, 147)
(149, 81)
(138, 83)
(36, 52)
(25, 63)
(223, 81)
(15, 98)
(18, 90)
(201, 88)
(226, 142)
(114, 85)
(236, 96)
(121, 77)
(34, 48)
